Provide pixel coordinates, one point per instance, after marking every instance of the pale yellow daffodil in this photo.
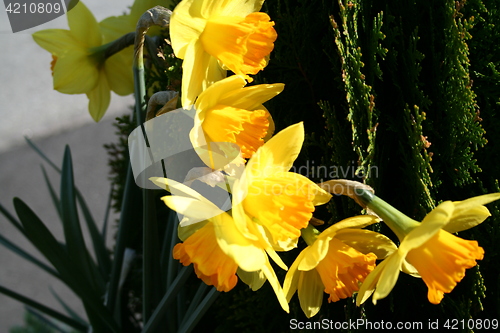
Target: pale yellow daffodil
(227, 111)
(273, 200)
(213, 36)
(428, 249)
(336, 262)
(215, 246)
(80, 66)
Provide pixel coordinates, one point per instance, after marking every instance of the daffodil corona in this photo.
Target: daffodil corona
(213, 36)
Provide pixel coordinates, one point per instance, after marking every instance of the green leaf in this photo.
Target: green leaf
(67, 308)
(73, 235)
(69, 270)
(53, 194)
(169, 296)
(202, 308)
(16, 249)
(12, 219)
(130, 215)
(42, 308)
(40, 152)
(98, 242)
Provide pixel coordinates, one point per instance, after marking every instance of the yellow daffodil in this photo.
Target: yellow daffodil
(336, 262)
(279, 201)
(215, 246)
(80, 66)
(428, 249)
(228, 111)
(213, 36)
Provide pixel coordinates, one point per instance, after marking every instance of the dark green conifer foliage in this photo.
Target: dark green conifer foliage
(407, 93)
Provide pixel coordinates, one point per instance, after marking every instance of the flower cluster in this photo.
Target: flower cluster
(270, 207)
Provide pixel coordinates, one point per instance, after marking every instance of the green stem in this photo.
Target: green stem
(309, 234)
(399, 223)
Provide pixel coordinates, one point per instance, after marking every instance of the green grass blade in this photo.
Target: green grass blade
(73, 235)
(53, 194)
(67, 308)
(196, 316)
(130, 218)
(50, 324)
(16, 249)
(57, 255)
(42, 155)
(195, 301)
(170, 295)
(44, 309)
(12, 219)
(98, 242)
(106, 215)
(71, 223)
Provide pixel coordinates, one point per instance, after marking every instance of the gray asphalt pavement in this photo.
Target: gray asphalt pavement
(30, 107)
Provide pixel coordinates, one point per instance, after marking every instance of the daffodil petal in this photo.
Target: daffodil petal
(118, 69)
(315, 253)
(214, 8)
(273, 280)
(115, 27)
(99, 98)
(254, 280)
(358, 222)
(388, 276)
(291, 283)
(279, 153)
(310, 292)
(70, 78)
(212, 96)
(185, 27)
(240, 249)
(57, 41)
(276, 258)
(370, 283)
(366, 241)
(251, 98)
(467, 219)
(200, 70)
(175, 187)
(195, 209)
(431, 224)
(475, 201)
(410, 269)
(84, 26)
